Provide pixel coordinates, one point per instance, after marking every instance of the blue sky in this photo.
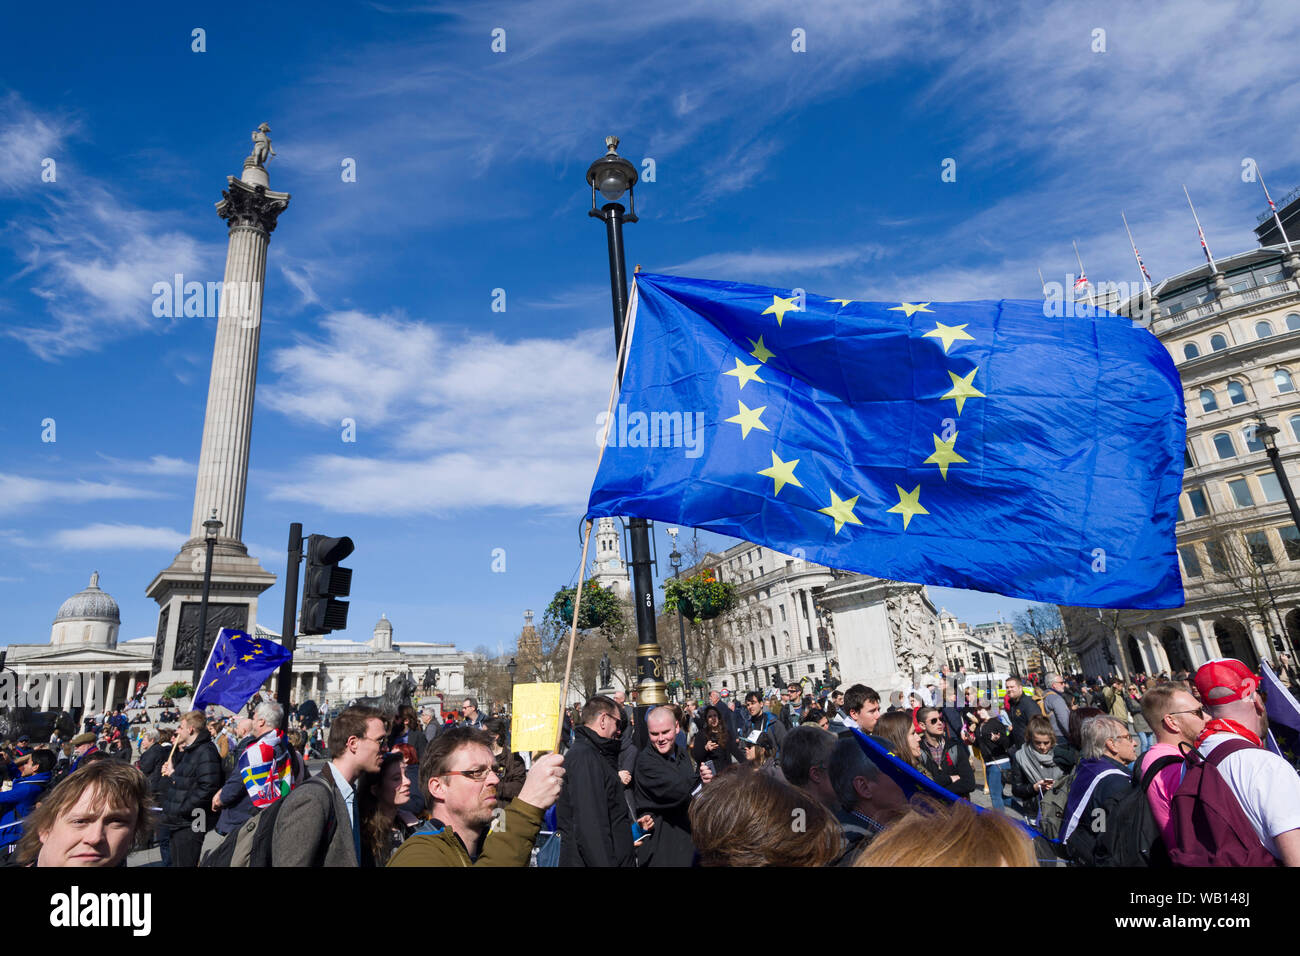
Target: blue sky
(474, 428)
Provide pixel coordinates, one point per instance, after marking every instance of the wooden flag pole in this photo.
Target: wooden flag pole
(629, 321)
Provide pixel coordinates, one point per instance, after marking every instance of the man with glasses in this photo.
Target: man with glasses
(1102, 776)
(460, 784)
(591, 814)
(318, 823)
(1058, 709)
(470, 716)
(943, 756)
(1176, 718)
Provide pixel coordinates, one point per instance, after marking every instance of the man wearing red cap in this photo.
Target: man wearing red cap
(1265, 785)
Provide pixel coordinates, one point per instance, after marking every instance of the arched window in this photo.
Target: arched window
(1223, 445)
(1263, 330)
(1292, 322)
(1252, 440)
(1295, 427)
(1282, 379)
(1236, 394)
(1208, 404)
(1218, 343)
(1190, 351)
(1188, 461)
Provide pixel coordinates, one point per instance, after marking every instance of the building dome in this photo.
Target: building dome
(383, 634)
(90, 604)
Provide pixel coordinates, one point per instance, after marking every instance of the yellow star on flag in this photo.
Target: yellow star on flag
(761, 351)
(949, 334)
(911, 308)
(247, 657)
(745, 373)
(220, 664)
(749, 418)
(908, 504)
(962, 388)
(944, 455)
(258, 649)
(843, 301)
(780, 307)
(232, 668)
(782, 473)
(211, 682)
(841, 511)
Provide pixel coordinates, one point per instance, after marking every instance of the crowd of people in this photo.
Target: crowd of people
(1159, 771)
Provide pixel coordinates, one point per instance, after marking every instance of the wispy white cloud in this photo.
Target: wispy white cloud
(157, 465)
(116, 537)
(775, 267)
(461, 420)
(20, 494)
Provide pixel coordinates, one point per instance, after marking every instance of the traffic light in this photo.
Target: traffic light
(324, 581)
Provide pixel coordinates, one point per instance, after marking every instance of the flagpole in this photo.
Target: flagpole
(1146, 279)
(1205, 246)
(204, 673)
(1042, 282)
(1083, 275)
(1271, 206)
(628, 325)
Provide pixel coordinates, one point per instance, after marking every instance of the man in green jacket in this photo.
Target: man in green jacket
(467, 828)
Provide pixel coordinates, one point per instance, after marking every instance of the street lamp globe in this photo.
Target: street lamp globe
(612, 176)
(1266, 433)
(212, 526)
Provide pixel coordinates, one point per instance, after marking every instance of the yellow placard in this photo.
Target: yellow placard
(535, 717)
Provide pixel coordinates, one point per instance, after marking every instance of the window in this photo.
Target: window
(751, 651)
(1218, 560)
(1223, 445)
(1236, 394)
(1218, 343)
(1208, 404)
(1252, 440)
(1187, 457)
(1268, 484)
(1282, 379)
(781, 608)
(1292, 322)
(1191, 563)
(1263, 330)
(1290, 540)
(812, 669)
(762, 645)
(1260, 550)
(1241, 492)
(1190, 351)
(760, 570)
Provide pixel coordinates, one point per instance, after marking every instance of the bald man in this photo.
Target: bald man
(663, 783)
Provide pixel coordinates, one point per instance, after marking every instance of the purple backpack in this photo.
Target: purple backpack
(1210, 828)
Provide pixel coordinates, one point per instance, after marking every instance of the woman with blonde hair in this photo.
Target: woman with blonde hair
(742, 818)
(958, 835)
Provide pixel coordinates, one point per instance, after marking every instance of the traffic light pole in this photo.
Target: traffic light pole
(288, 638)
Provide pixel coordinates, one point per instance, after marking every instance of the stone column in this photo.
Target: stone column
(112, 689)
(49, 691)
(1209, 647)
(73, 679)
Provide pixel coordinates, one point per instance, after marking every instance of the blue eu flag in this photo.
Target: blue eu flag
(237, 667)
(965, 444)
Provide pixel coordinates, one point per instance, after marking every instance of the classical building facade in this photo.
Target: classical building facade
(1234, 334)
(967, 646)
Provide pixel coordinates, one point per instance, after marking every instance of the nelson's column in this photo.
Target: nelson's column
(250, 210)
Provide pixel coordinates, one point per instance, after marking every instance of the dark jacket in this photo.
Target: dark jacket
(591, 814)
(304, 822)
(994, 741)
(150, 764)
(196, 778)
(766, 722)
(511, 770)
(953, 761)
(662, 785)
(1020, 712)
(236, 808)
(1084, 823)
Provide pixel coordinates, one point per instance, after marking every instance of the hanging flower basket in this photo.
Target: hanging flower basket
(599, 607)
(700, 597)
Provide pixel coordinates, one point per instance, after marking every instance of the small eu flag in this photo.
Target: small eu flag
(237, 667)
(965, 444)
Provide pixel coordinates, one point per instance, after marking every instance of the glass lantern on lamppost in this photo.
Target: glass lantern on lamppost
(510, 669)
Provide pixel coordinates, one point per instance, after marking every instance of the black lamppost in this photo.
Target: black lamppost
(676, 560)
(672, 675)
(510, 669)
(1268, 435)
(210, 529)
(612, 176)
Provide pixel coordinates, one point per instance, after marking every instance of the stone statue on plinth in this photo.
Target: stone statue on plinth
(262, 150)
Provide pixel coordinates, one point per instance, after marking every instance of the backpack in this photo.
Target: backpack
(250, 845)
(1051, 806)
(1210, 828)
(1131, 837)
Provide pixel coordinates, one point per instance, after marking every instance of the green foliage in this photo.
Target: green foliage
(600, 608)
(178, 690)
(699, 597)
